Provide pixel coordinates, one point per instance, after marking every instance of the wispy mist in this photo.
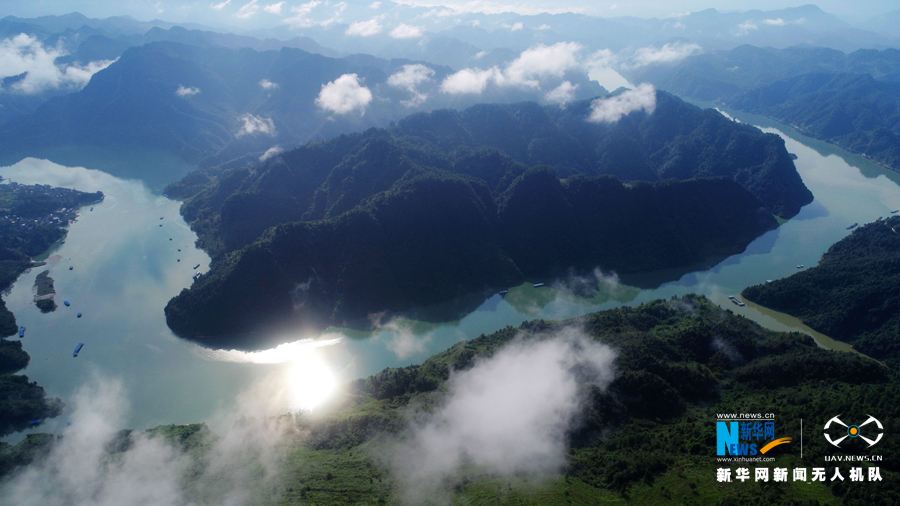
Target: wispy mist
(507, 414)
(24, 54)
(84, 469)
(610, 110)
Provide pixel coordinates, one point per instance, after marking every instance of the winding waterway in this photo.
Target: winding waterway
(125, 266)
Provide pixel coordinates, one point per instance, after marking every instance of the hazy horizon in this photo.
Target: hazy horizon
(255, 14)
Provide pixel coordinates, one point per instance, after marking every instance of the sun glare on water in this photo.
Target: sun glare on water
(308, 379)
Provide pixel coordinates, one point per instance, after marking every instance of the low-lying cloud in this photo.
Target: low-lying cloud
(344, 95)
(24, 54)
(256, 125)
(745, 27)
(409, 78)
(274, 8)
(243, 459)
(510, 413)
(248, 10)
(273, 151)
(593, 284)
(562, 94)
(668, 53)
(186, 91)
(527, 71)
(365, 28)
(404, 31)
(267, 85)
(611, 109)
(301, 18)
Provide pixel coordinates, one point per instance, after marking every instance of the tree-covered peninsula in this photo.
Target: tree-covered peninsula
(450, 203)
(852, 295)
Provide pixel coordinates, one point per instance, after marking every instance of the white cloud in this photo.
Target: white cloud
(256, 125)
(409, 77)
(82, 469)
(468, 81)
(339, 9)
(274, 8)
(527, 70)
(375, 5)
(515, 27)
(562, 94)
(186, 91)
(344, 95)
(774, 22)
(24, 54)
(542, 61)
(273, 151)
(610, 110)
(219, 6)
(365, 28)
(508, 414)
(268, 85)
(666, 54)
(543, 27)
(745, 27)
(301, 15)
(404, 31)
(248, 10)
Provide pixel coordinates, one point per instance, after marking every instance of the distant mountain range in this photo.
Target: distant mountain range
(450, 203)
(852, 100)
(213, 104)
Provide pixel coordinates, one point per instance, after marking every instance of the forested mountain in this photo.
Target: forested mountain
(648, 437)
(851, 100)
(382, 220)
(852, 295)
(720, 75)
(216, 104)
(854, 111)
(201, 101)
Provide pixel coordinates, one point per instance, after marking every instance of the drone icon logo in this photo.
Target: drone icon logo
(854, 431)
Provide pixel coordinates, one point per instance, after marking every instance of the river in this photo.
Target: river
(125, 267)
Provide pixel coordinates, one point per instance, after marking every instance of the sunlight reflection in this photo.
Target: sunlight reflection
(308, 379)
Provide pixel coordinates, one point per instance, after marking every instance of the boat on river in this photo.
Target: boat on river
(77, 349)
(851, 227)
(503, 292)
(66, 303)
(538, 285)
(78, 315)
(21, 331)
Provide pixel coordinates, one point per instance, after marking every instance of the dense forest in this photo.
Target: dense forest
(852, 295)
(850, 100)
(648, 438)
(388, 220)
(853, 111)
